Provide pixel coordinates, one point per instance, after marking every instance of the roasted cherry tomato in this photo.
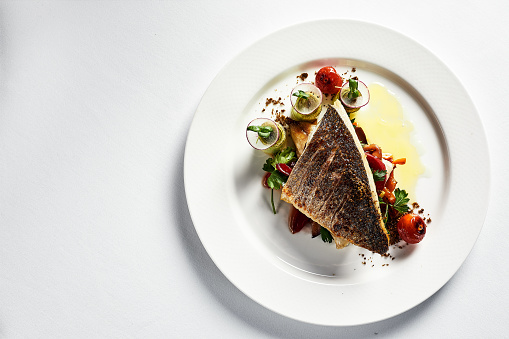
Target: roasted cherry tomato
(376, 165)
(328, 80)
(411, 228)
(285, 169)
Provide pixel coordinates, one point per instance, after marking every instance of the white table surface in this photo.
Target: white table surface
(96, 100)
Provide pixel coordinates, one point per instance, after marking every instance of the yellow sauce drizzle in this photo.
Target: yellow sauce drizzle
(384, 124)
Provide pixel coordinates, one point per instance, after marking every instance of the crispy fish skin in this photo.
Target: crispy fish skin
(330, 184)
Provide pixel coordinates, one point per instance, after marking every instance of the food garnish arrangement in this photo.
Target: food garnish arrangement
(337, 183)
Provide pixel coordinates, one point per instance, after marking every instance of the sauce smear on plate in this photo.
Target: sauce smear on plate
(384, 123)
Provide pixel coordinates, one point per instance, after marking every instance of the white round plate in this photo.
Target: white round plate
(304, 278)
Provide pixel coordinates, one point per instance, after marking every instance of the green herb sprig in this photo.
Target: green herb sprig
(326, 236)
(277, 179)
(301, 94)
(263, 131)
(354, 89)
(379, 175)
(400, 204)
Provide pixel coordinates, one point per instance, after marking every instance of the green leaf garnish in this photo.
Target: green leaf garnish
(301, 94)
(326, 236)
(263, 131)
(354, 89)
(276, 179)
(282, 157)
(269, 165)
(401, 203)
(379, 175)
(285, 156)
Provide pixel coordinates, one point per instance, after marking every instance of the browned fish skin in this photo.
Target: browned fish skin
(329, 184)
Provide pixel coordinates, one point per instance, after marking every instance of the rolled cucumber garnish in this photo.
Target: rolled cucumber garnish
(266, 135)
(353, 95)
(306, 100)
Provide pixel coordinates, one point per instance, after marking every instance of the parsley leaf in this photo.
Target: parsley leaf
(276, 179)
(401, 203)
(282, 157)
(269, 165)
(326, 236)
(285, 156)
(379, 175)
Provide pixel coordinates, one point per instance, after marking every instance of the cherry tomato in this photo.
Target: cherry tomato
(328, 80)
(411, 228)
(285, 169)
(377, 165)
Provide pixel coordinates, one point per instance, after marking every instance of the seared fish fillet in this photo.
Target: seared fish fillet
(332, 184)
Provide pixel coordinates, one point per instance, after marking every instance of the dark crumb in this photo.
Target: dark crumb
(415, 205)
(273, 101)
(282, 111)
(364, 263)
(428, 220)
(263, 110)
(421, 211)
(303, 76)
(281, 119)
(354, 69)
